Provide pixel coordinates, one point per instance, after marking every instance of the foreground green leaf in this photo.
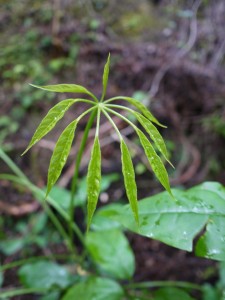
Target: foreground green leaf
(60, 154)
(93, 180)
(65, 88)
(177, 223)
(171, 293)
(129, 179)
(48, 123)
(111, 251)
(102, 221)
(95, 288)
(105, 77)
(155, 161)
(44, 274)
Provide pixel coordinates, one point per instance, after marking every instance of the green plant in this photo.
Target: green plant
(99, 107)
(105, 268)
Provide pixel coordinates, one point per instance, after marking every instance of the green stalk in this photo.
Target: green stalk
(38, 192)
(11, 164)
(22, 291)
(21, 262)
(154, 284)
(113, 123)
(76, 171)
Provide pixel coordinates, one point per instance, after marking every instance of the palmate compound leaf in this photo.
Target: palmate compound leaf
(93, 180)
(129, 179)
(65, 88)
(155, 161)
(48, 123)
(60, 154)
(178, 222)
(105, 77)
(154, 134)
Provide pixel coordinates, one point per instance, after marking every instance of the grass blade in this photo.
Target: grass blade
(53, 116)
(60, 154)
(105, 77)
(93, 180)
(129, 179)
(155, 161)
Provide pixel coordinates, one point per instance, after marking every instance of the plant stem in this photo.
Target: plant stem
(21, 262)
(112, 122)
(11, 164)
(22, 291)
(153, 284)
(76, 171)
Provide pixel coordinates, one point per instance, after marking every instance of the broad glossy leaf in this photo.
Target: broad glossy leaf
(44, 274)
(178, 222)
(105, 77)
(95, 288)
(154, 134)
(53, 116)
(155, 161)
(142, 108)
(129, 179)
(60, 154)
(65, 88)
(111, 251)
(102, 221)
(93, 180)
(171, 293)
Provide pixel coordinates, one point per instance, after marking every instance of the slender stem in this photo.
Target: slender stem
(98, 122)
(153, 284)
(93, 96)
(40, 195)
(86, 101)
(76, 170)
(112, 122)
(116, 98)
(22, 291)
(36, 191)
(11, 164)
(121, 107)
(122, 117)
(21, 262)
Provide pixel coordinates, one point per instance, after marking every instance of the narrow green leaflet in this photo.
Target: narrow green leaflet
(105, 77)
(65, 88)
(60, 154)
(53, 116)
(155, 161)
(129, 179)
(142, 108)
(95, 288)
(111, 251)
(154, 134)
(93, 180)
